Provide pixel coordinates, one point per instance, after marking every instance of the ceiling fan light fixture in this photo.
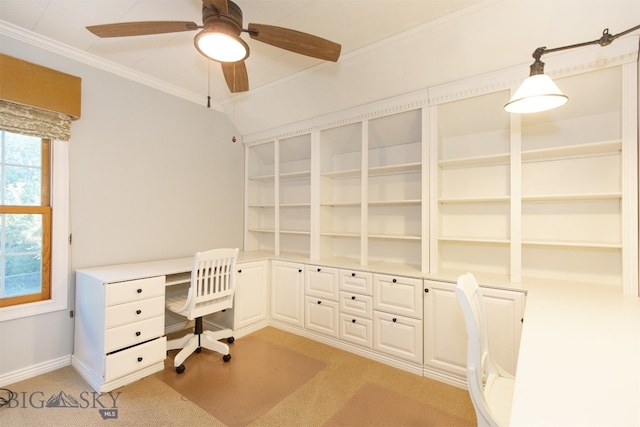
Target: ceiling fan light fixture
(220, 46)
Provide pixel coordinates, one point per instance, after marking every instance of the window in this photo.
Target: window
(25, 219)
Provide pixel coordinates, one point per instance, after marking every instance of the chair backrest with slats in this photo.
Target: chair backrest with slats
(479, 362)
(213, 277)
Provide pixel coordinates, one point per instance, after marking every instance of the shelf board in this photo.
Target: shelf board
(262, 206)
(572, 197)
(343, 174)
(295, 205)
(341, 204)
(261, 230)
(332, 234)
(177, 278)
(473, 240)
(585, 245)
(394, 237)
(493, 159)
(470, 200)
(394, 202)
(573, 151)
(262, 178)
(295, 175)
(395, 169)
(299, 232)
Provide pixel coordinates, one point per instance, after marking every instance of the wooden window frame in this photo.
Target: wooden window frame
(45, 210)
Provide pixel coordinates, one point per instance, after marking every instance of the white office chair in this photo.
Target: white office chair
(212, 287)
(492, 402)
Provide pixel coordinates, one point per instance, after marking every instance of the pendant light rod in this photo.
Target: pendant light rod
(538, 92)
(605, 40)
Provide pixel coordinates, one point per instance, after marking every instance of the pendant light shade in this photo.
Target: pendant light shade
(220, 46)
(536, 93)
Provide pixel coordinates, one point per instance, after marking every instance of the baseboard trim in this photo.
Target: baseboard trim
(34, 370)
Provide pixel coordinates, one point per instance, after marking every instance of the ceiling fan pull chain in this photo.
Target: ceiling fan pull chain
(233, 103)
(209, 83)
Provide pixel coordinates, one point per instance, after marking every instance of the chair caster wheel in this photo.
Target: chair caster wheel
(230, 340)
(198, 350)
(180, 369)
(226, 357)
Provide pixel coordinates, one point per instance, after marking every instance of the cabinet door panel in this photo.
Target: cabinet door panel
(356, 330)
(250, 304)
(402, 295)
(321, 315)
(287, 292)
(398, 336)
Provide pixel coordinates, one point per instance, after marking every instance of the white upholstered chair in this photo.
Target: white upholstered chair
(490, 386)
(212, 289)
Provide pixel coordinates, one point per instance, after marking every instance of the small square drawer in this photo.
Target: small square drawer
(133, 333)
(356, 304)
(122, 314)
(134, 290)
(135, 358)
(356, 330)
(356, 281)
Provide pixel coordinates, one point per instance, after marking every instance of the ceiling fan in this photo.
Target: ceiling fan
(220, 38)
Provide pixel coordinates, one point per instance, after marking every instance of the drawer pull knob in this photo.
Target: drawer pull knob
(139, 291)
(138, 333)
(319, 270)
(394, 280)
(353, 297)
(138, 311)
(394, 320)
(239, 271)
(139, 359)
(426, 290)
(319, 302)
(353, 274)
(299, 271)
(353, 320)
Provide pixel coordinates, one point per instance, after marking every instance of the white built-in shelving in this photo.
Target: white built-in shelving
(444, 181)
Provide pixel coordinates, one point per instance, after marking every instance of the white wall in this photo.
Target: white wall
(152, 176)
(493, 35)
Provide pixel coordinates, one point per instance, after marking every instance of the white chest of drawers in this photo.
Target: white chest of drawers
(119, 329)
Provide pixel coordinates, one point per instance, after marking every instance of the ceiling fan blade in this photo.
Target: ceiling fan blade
(295, 41)
(142, 28)
(221, 5)
(235, 73)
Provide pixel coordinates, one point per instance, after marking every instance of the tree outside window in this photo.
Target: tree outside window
(25, 219)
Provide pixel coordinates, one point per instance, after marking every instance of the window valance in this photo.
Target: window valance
(33, 121)
(37, 101)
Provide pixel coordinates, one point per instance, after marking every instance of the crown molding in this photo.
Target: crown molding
(53, 46)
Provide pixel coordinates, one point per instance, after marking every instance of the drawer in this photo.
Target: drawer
(133, 333)
(321, 315)
(321, 282)
(398, 336)
(356, 304)
(356, 330)
(134, 290)
(395, 294)
(133, 311)
(356, 281)
(132, 359)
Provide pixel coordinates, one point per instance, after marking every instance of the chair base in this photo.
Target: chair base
(191, 343)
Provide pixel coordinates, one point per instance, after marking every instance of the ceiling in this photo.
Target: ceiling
(172, 58)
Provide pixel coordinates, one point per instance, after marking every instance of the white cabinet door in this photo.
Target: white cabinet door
(321, 282)
(398, 336)
(445, 335)
(287, 293)
(395, 294)
(321, 315)
(252, 288)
